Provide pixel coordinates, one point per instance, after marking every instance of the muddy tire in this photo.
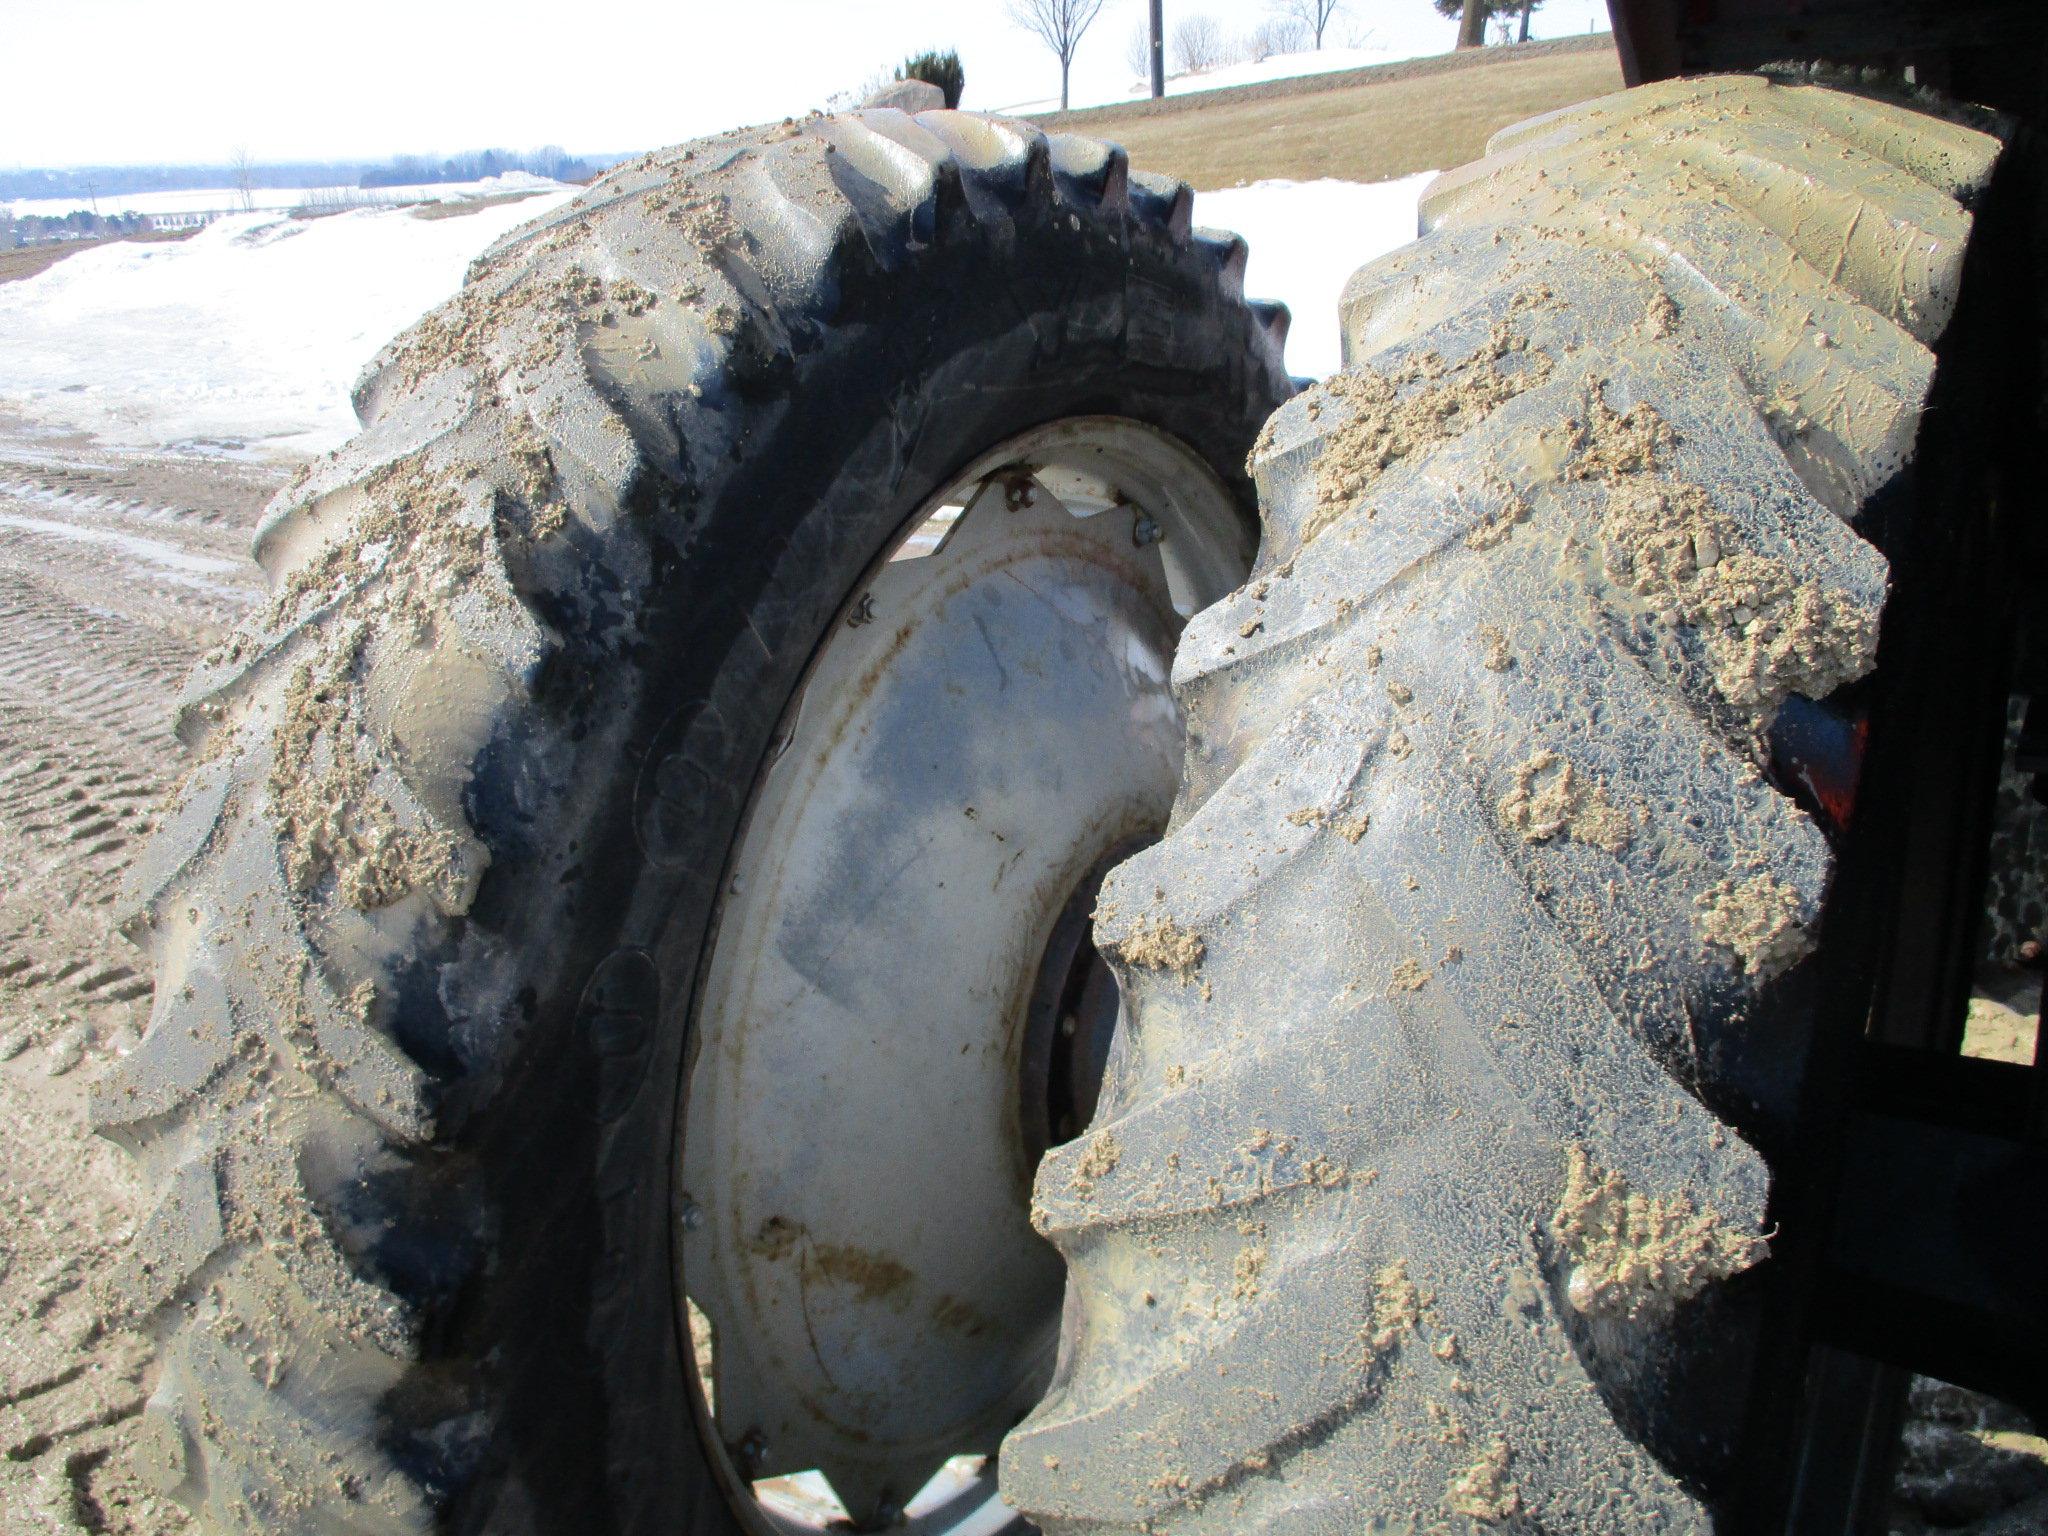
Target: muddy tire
(428, 914)
(1467, 997)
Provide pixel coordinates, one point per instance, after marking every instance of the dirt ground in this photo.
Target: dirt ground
(1361, 125)
(116, 571)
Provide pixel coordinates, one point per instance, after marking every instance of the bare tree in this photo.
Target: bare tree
(1197, 45)
(1313, 15)
(1138, 50)
(1059, 24)
(1277, 34)
(245, 176)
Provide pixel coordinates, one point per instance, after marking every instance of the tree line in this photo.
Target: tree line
(109, 183)
(551, 161)
(40, 229)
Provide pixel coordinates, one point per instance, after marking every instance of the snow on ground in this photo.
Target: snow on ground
(1306, 238)
(270, 199)
(249, 334)
(1282, 66)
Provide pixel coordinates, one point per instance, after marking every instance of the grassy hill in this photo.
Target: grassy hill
(1359, 125)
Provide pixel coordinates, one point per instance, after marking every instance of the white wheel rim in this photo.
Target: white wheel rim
(987, 719)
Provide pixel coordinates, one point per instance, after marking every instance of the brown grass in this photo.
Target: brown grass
(468, 205)
(1361, 125)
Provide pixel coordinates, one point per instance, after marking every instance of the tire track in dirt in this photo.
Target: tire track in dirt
(115, 574)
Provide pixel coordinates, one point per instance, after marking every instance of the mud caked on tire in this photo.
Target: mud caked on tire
(1428, 1187)
(428, 916)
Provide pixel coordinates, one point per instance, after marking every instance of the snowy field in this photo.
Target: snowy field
(1306, 238)
(247, 337)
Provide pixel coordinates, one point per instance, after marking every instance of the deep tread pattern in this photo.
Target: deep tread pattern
(1482, 907)
(305, 903)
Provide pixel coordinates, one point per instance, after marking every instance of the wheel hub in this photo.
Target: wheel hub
(1070, 1022)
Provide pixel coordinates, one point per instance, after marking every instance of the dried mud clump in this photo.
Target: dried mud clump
(1635, 1256)
(1396, 1305)
(703, 217)
(1424, 401)
(1244, 1279)
(1163, 945)
(1098, 1162)
(1408, 976)
(329, 812)
(1514, 511)
(1608, 443)
(1484, 1491)
(1756, 920)
(1766, 632)
(1549, 801)
(469, 329)
(632, 298)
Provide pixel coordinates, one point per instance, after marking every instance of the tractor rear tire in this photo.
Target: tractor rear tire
(1468, 993)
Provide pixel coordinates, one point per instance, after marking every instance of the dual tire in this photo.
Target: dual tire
(1463, 999)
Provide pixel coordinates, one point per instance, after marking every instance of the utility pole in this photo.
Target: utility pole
(1158, 50)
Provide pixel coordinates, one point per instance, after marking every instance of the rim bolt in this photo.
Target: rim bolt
(691, 1215)
(752, 1447)
(1145, 530)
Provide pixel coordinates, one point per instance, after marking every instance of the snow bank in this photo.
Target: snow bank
(1306, 238)
(1289, 66)
(248, 334)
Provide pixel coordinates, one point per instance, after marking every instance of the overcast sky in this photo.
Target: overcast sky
(136, 81)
